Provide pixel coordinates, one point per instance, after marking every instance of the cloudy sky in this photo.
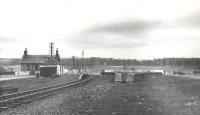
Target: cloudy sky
(141, 29)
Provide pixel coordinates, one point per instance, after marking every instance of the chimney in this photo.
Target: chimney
(25, 52)
(57, 51)
(57, 55)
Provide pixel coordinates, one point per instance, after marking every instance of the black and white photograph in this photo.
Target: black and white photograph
(99, 57)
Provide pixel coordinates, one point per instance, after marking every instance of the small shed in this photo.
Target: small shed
(118, 77)
(121, 76)
(124, 77)
(51, 68)
(130, 77)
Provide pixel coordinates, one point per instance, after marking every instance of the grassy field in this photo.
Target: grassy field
(33, 83)
(155, 95)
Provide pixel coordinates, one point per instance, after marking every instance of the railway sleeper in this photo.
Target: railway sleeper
(15, 101)
(3, 108)
(3, 103)
(13, 105)
(34, 99)
(31, 97)
(28, 100)
(8, 103)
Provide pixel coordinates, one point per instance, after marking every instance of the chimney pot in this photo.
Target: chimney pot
(56, 51)
(25, 52)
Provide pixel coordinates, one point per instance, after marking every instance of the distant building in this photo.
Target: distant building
(51, 68)
(33, 63)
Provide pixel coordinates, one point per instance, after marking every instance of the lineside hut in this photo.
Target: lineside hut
(51, 68)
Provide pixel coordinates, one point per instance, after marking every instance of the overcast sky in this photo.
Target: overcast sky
(141, 29)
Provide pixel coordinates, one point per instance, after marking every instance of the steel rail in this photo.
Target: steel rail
(3, 97)
(13, 100)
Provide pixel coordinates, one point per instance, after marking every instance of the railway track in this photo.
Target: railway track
(16, 99)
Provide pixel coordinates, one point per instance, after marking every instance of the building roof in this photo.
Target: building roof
(43, 66)
(34, 59)
(52, 61)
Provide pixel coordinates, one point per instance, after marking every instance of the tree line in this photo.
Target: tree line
(95, 61)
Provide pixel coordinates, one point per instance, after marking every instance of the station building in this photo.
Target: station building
(47, 65)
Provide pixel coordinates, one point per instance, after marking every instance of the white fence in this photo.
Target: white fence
(22, 73)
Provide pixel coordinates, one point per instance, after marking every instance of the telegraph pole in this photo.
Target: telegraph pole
(73, 59)
(124, 64)
(77, 65)
(82, 60)
(51, 49)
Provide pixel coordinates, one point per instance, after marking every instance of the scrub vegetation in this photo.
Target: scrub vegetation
(155, 95)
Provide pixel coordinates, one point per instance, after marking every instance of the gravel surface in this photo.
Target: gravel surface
(156, 95)
(75, 101)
